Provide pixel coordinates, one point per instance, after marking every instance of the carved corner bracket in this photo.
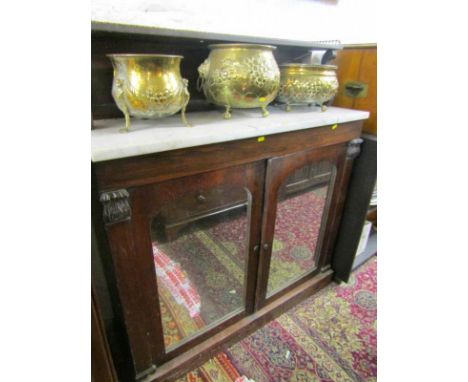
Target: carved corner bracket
(354, 148)
(116, 206)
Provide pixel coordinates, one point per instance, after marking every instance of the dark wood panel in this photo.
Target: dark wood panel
(361, 186)
(107, 295)
(137, 171)
(336, 209)
(102, 366)
(136, 286)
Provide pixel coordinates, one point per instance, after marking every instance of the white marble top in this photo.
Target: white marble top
(203, 35)
(152, 136)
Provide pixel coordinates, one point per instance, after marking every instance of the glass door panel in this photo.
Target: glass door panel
(302, 201)
(200, 249)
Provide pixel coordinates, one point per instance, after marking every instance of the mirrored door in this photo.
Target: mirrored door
(300, 189)
(300, 215)
(196, 244)
(200, 244)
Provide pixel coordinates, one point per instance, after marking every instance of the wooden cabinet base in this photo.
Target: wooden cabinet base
(201, 353)
(102, 367)
(209, 243)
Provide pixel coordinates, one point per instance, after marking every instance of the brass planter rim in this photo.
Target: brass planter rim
(242, 46)
(308, 66)
(144, 55)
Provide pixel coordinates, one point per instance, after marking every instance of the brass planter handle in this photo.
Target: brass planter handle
(202, 74)
(200, 82)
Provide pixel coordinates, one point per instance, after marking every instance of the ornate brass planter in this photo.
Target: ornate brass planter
(306, 84)
(149, 86)
(240, 76)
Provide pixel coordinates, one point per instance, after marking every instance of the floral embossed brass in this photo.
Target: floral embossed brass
(149, 86)
(305, 84)
(240, 76)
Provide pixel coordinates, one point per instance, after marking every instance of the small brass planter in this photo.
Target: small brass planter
(240, 76)
(149, 86)
(307, 84)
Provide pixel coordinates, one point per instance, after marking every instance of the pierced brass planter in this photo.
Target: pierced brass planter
(306, 84)
(240, 76)
(149, 86)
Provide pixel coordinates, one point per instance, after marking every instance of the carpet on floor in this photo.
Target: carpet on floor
(331, 336)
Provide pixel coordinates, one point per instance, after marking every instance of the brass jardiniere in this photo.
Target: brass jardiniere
(149, 86)
(240, 76)
(307, 84)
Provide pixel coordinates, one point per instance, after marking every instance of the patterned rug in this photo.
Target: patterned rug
(331, 336)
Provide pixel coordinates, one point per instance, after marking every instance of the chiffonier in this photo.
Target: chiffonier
(212, 231)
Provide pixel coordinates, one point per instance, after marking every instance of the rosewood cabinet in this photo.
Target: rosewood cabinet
(208, 243)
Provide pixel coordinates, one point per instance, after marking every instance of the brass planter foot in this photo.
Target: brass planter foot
(126, 129)
(265, 112)
(184, 107)
(288, 107)
(227, 113)
(183, 117)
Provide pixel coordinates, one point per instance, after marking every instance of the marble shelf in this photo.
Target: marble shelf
(153, 136)
(115, 27)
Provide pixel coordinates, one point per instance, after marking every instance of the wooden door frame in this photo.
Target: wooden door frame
(102, 365)
(133, 259)
(278, 170)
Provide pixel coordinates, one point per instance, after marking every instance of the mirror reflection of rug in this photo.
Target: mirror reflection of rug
(201, 272)
(330, 337)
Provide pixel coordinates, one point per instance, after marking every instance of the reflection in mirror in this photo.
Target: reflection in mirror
(302, 200)
(200, 249)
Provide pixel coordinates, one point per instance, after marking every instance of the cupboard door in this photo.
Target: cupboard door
(299, 200)
(195, 256)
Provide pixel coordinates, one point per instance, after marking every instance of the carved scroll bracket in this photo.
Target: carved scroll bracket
(116, 206)
(354, 148)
